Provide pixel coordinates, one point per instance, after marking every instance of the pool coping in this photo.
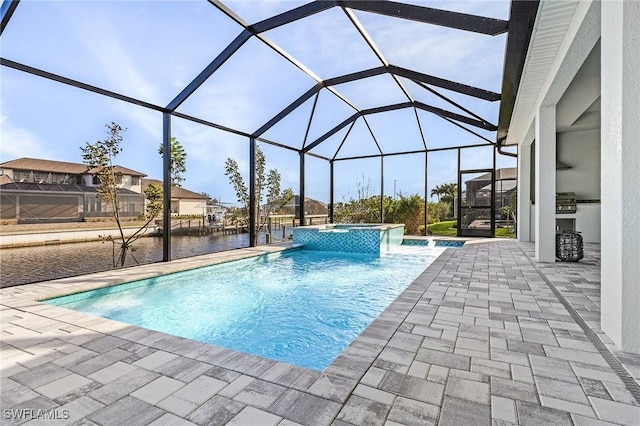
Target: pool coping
(336, 382)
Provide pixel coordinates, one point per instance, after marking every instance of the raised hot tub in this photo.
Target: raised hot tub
(370, 238)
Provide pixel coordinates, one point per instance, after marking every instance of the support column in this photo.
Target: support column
(545, 232)
(426, 201)
(493, 193)
(253, 237)
(166, 187)
(302, 219)
(331, 191)
(382, 189)
(524, 192)
(620, 176)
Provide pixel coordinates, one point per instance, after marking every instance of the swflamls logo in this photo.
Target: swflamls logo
(32, 414)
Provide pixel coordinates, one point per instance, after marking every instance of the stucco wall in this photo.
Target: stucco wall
(187, 207)
(581, 151)
(587, 219)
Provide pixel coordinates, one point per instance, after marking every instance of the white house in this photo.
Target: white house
(35, 190)
(578, 103)
(183, 201)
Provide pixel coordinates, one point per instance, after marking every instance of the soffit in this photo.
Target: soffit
(552, 24)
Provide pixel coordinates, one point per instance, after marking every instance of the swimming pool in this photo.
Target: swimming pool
(303, 307)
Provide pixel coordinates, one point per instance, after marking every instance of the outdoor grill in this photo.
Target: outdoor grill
(565, 202)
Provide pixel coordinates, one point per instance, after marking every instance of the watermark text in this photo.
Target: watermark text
(34, 414)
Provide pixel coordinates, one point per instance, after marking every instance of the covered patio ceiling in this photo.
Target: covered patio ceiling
(361, 93)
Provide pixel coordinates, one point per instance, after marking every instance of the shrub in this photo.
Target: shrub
(438, 212)
(408, 210)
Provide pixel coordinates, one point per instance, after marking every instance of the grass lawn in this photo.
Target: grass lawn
(504, 233)
(447, 229)
(443, 228)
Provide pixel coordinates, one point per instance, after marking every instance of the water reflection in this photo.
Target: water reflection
(31, 264)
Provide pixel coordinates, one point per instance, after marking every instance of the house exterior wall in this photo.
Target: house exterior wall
(581, 151)
(8, 172)
(50, 195)
(587, 221)
(620, 156)
(191, 207)
(605, 162)
(581, 35)
(21, 175)
(132, 183)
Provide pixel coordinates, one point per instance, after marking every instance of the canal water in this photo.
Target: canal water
(32, 264)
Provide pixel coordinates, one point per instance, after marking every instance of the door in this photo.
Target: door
(476, 209)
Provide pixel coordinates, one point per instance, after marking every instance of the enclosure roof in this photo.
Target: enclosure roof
(340, 68)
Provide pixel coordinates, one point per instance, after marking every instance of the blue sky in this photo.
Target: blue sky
(151, 49)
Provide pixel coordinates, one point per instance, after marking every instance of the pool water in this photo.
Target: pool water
(434, 243)
(303, 307)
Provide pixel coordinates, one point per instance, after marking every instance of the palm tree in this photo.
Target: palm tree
(437, 191)
(449, 193)
(450, 190)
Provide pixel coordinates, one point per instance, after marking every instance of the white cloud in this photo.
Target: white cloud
(114, 58)
(148, 120)
(448, 53)
(205, 145)
(16, 141)
(327, 43)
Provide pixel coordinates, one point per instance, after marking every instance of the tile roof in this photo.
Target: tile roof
(176, 191)
(53, 166)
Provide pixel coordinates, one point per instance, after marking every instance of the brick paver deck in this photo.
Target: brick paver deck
(483, 336)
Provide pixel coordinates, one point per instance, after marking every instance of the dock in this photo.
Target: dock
(200, 226)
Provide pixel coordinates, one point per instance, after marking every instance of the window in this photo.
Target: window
(20, 176)
(135, 180)
(40, 177)
(118, 179)
(96, 180)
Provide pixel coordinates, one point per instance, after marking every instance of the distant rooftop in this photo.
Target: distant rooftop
(176, 191)
(53, 166)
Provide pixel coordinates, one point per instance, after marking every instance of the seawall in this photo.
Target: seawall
(39, 238)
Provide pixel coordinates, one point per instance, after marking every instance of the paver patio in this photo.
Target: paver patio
(482, 336)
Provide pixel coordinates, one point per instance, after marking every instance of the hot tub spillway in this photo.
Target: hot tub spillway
(350, 238)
